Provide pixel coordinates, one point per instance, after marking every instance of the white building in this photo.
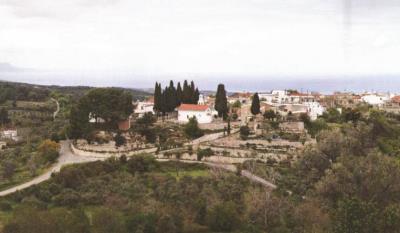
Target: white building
(144, 107)
(285, 97)
(202, 100)
(9, 134)
(374, 99)
(203, 113)
(314, 110)
(275, 96)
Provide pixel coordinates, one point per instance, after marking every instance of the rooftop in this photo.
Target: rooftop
(193, 107)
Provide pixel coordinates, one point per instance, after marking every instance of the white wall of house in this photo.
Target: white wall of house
(203, 117)
(374, 99)
(314, 109)
(144, 107)
(10, 134)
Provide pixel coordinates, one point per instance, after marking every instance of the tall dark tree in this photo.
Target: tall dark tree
(164, 101)
(196, 96)
(221, 102)
(4, 116)
(157, 97)
(171, 101)
(192, 93)
(179, 94)
(255, 105)
(186, 93)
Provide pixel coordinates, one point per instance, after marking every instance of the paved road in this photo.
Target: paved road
(66, 157)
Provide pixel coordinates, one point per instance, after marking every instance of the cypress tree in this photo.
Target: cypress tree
(157, 97)
(255, 105)
(171, 97)
(221, 102)
(192, 93)
(164, 101)
(196, 96)
(179, 94)
(186, 93)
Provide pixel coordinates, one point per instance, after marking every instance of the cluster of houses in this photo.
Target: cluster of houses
(284, 102)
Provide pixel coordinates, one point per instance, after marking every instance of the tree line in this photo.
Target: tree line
(167, 99)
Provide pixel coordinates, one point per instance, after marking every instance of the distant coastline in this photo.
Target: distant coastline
(378, 83)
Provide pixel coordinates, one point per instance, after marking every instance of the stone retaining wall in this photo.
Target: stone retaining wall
(109, 154)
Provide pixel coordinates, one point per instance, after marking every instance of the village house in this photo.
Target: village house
(203, 113)
(273, 97)
(395, 101)
(314, 109)
(125, 125)
(340, 99)
(11, 134)
(375, 99)
(143, 108)
(242, 97)
(286, 97)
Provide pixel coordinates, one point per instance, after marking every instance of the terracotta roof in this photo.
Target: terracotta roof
(193, 107)
(396, 99)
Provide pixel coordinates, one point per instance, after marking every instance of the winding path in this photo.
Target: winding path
(58, 108)
(68, 157)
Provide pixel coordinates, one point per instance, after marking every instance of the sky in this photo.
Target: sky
(88, 41)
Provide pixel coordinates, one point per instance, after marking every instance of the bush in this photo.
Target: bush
(201, 153)
(49, 150)
(244, 132)
(192, 129)
(147, 119)
(141, 164)
(119, 140)
(223, 217)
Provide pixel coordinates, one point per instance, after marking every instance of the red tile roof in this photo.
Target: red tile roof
(396, 99)
(193, 107)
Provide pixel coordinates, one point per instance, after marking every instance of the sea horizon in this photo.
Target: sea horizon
(233, 83)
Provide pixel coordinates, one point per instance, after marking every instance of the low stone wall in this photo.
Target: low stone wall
(213, 159)
(109, 154)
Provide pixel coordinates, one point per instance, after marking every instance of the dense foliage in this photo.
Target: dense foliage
(168, 99)
(105, 105)
(192, 129)
(14, 92)
(134, 195)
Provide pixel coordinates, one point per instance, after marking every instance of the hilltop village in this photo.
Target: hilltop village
(178, 159)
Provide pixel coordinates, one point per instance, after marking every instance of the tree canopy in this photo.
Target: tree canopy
(109, 104)
(168, 99)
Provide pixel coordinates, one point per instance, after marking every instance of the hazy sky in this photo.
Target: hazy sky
(230, 37)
